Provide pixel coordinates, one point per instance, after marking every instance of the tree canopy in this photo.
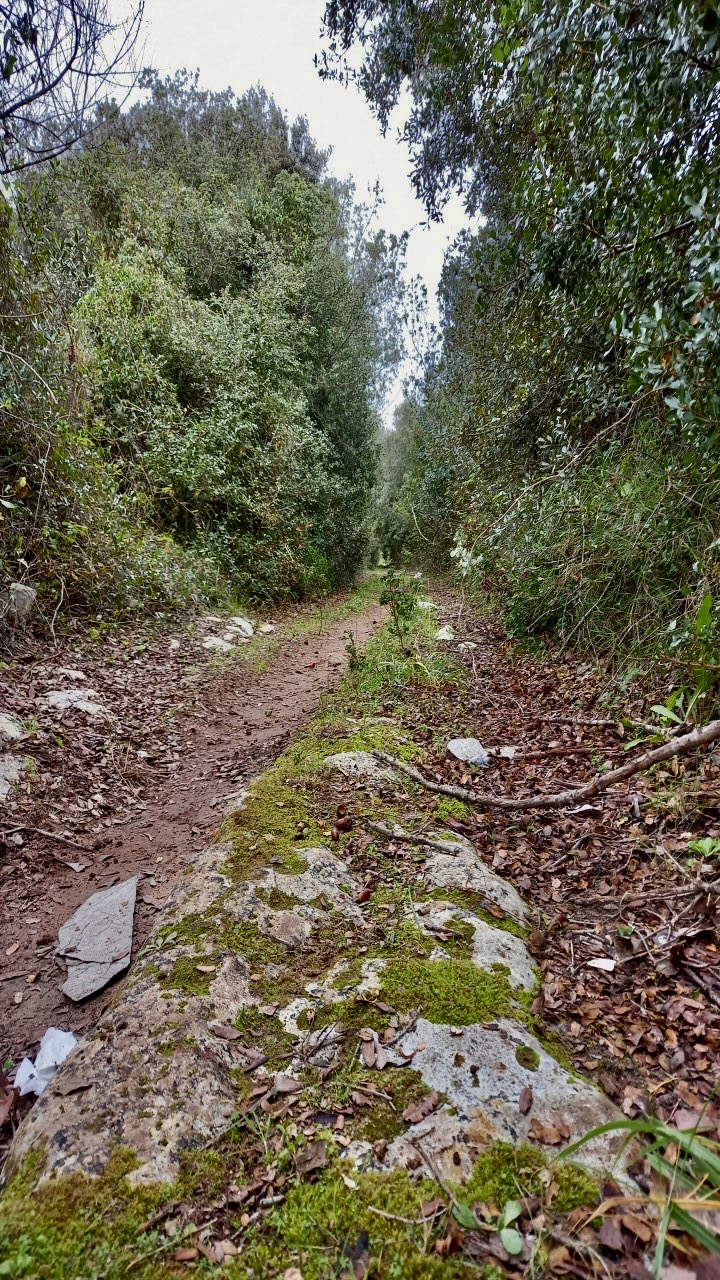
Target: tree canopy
(571, 414)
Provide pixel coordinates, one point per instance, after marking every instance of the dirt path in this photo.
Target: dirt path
(320, 1029)
(182, 732)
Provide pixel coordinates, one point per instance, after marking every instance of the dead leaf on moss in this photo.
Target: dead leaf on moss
(418, 1111)
(311, 1158)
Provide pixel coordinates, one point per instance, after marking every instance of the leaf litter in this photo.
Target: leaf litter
(606, 884)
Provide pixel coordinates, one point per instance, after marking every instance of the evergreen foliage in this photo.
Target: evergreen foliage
(195, 333)
(569, 424)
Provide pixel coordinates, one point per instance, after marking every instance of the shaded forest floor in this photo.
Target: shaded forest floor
(325, 1030)
(138, 785)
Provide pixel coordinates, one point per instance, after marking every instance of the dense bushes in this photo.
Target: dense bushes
(192, 362)
(567, 432)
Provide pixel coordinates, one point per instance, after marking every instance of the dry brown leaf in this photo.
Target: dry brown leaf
(418, 1111)
(548, 1134)
(186, 1255)
(224, 1033)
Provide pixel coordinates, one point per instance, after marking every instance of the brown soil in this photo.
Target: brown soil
(183, 732)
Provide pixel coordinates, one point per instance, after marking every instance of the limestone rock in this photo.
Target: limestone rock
(11, 770)
(289, 928)
(10, 727)
(485, 1098)
(469, 750)
(454, 864)
(490, 946)
(17, 604)
(86, 700)
(235, 804)
(96, 941)
(218, 644)
(243, 627)
(361, 766)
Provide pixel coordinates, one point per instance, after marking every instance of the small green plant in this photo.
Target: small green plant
(708, 847)
(351, 649)
(19, 1263)
(401, 597)
(687, 1165)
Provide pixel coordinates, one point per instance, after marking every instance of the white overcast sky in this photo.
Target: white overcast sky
(239, 43)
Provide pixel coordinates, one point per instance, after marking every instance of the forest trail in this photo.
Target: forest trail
(138, 788)
(334, 1036)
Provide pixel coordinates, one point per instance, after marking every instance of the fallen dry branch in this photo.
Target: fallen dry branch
(600, 783)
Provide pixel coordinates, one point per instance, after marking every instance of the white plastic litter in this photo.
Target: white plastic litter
(426, 604)
(265, 628)
(469, 750)
(54, 1049)
(445, 633)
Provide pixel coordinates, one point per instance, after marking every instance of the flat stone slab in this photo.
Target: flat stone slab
(455, 864)
(96, 941)
(479, 1071)
(11, 770)
(361, 766)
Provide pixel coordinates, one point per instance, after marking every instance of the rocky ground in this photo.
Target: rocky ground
(371, 1017)
(127, 744)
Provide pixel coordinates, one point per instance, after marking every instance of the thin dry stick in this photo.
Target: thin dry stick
(52, 835)
(601, 782)
(609, 724)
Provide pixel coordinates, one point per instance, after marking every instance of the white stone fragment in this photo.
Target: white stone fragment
(243, 625)
(11, 770)
(10, 727)
(469, 750)
(218, 644)
(86, 700)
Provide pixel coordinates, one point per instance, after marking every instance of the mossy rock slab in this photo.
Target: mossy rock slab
(361, 766)
(482, 1070)
(154, 1076)
(488, 947)
(455, 864)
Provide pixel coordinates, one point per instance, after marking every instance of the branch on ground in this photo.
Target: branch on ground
(601, 782)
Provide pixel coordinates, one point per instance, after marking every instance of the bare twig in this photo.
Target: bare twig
(600, 783)
(51, 835)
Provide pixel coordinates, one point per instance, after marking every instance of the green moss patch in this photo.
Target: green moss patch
(527, 1057)
(448, 991)
(475, 902)
(319, 1219)
(505, 1172)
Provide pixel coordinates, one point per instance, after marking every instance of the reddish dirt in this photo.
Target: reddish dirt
(138, 791)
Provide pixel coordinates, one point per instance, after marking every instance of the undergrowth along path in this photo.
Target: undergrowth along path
(370, 1017)
(138, 786)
